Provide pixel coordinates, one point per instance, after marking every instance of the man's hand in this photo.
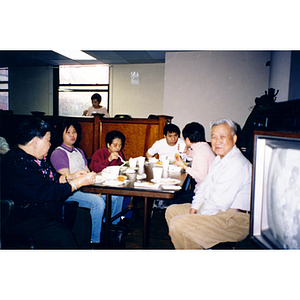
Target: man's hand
(193, 211)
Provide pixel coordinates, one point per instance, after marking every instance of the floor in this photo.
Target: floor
(159, 238)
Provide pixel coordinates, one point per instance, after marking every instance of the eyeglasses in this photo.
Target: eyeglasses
(117, 145)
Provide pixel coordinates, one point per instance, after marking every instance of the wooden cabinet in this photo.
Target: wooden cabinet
(140, 133)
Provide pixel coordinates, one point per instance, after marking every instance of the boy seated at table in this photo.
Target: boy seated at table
(169, 145)
(166, 147)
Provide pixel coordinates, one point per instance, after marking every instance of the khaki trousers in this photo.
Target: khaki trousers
(194, 231)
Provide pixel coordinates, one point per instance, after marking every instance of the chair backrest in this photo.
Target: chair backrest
(153, 117)
(122, 117)
(190, 183)
(7, 206)
(15, 241)
(69, 213)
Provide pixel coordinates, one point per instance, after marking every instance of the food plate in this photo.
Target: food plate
(175, 169)
(148, 185)
(152, 160)
(166, 181)
(129, 171)
(113, 183)
(100, 178)
(171, 187)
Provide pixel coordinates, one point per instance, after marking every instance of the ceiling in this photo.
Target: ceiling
(50, 58)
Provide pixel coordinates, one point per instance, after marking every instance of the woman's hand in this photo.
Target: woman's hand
(77, 174)
(65, 174)
(113, 155)
(179, 162)
(82, 180)
(85, 179)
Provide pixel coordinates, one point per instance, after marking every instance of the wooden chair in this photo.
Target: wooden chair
(15, 241)
(122, 117)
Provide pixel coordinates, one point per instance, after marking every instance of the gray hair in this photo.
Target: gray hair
(227, 121)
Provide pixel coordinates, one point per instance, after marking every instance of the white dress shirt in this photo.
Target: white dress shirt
(227, 185)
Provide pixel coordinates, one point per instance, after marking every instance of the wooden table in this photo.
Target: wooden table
(129, 190)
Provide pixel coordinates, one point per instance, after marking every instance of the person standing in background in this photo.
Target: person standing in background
(96, 107)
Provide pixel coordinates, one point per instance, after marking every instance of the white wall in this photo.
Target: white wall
(191, 86)
(280, 74)
(31, 89)
(294, 91)
(202, 86)
(137, 100)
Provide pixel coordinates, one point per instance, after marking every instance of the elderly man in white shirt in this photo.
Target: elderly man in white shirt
(220, 208)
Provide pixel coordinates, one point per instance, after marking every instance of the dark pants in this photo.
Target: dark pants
(51, 232)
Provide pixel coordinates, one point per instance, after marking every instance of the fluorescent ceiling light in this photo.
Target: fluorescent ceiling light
(75, 54)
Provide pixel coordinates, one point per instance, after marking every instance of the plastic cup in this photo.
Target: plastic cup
(157, 172)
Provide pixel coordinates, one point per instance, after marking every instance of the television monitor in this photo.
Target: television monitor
(275, 203)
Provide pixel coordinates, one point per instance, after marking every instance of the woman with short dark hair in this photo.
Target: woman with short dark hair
(198, 149)
(110, 156)
(67, 160)
(39, 192)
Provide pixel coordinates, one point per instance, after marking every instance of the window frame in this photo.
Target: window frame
(70, 87)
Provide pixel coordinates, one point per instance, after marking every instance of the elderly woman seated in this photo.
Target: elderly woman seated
(39, 192)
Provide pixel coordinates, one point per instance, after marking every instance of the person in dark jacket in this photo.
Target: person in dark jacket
(39, 192)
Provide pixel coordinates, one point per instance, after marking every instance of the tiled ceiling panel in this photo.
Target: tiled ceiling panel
(51, 58)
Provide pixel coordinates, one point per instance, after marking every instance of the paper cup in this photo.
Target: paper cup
(163, 157)
(181, 147)
(114, 171)
(157, 172)
(141, 161)
(152, 160)
(165, 163)
(132, 162)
